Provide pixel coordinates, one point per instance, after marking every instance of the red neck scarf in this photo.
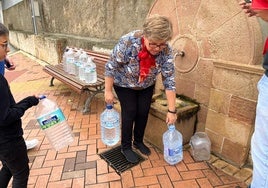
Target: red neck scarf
(146, 61)
(265, 49)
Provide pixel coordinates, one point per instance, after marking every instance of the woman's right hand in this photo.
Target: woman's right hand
(109, 97)
(247, 8)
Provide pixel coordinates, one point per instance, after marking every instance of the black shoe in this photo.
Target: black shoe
(130, 155)
(142, 147)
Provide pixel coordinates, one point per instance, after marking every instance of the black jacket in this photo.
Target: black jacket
(11, 112)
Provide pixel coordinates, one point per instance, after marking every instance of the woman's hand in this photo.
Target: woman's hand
(109, 97)
(247, 8)
(171, 118)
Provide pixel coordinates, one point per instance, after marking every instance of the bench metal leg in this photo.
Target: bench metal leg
(88, 101)
(51, 82)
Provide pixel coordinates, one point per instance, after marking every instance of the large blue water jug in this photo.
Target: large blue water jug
(173, 149)
(110, 126)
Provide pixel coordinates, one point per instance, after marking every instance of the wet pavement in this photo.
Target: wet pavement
(79, 164)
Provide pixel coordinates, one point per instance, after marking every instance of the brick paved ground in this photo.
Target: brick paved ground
(79, 165)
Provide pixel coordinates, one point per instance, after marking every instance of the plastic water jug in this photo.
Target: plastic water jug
(77, 62)
(110, 126)
(70, 61)
(83, 61)
(173, 149)
(90, 72)
(200, 146)
(52, 121)
(64, 58)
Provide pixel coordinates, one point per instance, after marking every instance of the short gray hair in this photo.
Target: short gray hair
(3, 30)
(158, 27)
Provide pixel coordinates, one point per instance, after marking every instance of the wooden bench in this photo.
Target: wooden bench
(56, 71)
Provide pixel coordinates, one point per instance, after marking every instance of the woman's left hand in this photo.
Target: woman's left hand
(171, 118)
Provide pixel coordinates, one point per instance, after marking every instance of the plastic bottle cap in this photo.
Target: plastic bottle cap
(42, 97)
(171, 127)
(109, 106)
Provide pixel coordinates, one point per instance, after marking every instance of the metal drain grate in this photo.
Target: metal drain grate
(117, 161)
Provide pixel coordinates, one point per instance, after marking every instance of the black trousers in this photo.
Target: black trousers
(14, 158)
(135, 106)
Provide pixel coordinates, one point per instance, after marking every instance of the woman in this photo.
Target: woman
(136, 60)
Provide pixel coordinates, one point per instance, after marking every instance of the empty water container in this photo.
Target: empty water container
(200, 146)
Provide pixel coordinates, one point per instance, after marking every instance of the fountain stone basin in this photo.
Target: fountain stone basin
(156, 126)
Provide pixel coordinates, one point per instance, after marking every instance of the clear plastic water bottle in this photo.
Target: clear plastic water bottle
(77, 62)
(52, 121)
(173, 149)
(90, 72)
(200, 146)
(70, 61)
(110, 126)
(64, 58)
(83, 61)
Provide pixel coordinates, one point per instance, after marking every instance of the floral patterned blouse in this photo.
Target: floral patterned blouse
(123, 65)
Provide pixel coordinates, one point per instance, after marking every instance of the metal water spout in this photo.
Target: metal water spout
(179, 53)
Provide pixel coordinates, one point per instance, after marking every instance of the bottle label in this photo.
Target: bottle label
(176, 151)
(51, 119)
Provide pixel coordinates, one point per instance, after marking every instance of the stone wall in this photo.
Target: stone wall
(103, 19)
(231, 109)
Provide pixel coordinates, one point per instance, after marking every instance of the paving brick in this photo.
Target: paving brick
(73, 174)
(243, 174)
(56, 173)
(213, 178)
(186, 183)
(108, 177)
(66, 155)
(146, 181)
(32, 180)
(192, 174)
(115, 184)
(154, 186)
(60, 184)
(98, 185)
(69, 165)
(91, 177)
(91, 149)
(173, 173)
(181, 166)
(40, 171)
(81, 156)
(102, 167)
(78, 183)
(154, 171)
(204, 183)
(84, 166)
(197, 166)
(146, 164)
(127, 179)
(38, 162)
(137, 171)
(42, 181)
(57, 162)
(164, 181)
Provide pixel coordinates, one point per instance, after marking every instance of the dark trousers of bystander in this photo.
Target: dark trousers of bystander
(14, 158)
